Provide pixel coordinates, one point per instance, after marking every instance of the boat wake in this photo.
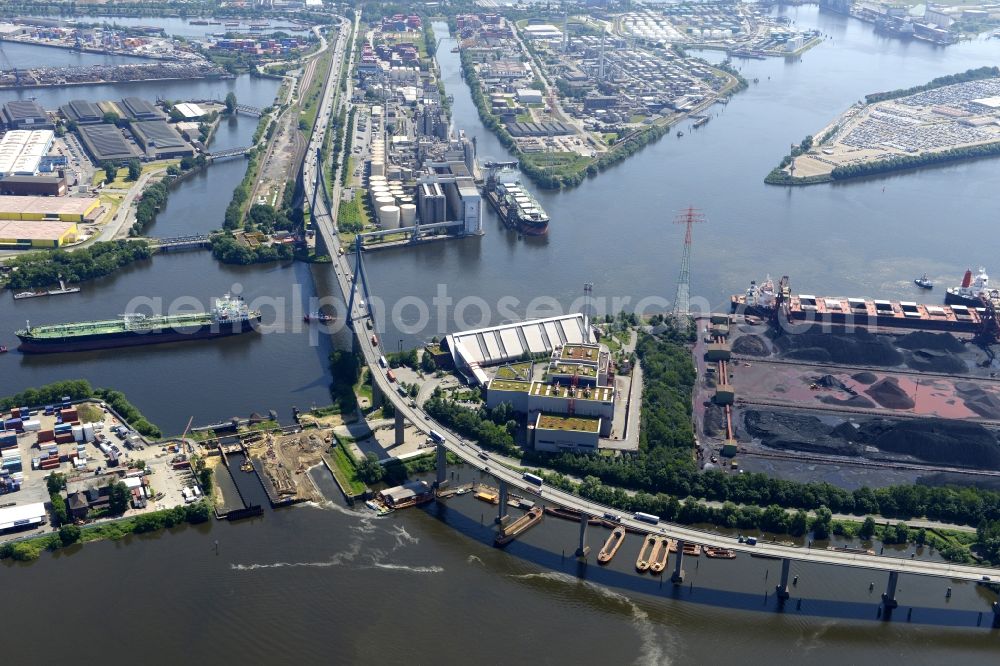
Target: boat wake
(474, 558)
(652, 650)
(403, 538)
(406, 567)
(337, 560)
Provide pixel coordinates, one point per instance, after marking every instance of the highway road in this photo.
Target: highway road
(363, 324)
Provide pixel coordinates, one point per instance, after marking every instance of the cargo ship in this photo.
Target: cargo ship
(763, 300)
(229, 316)
(972, 290)
(515, 205)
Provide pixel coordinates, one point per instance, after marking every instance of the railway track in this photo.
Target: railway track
(871, 464)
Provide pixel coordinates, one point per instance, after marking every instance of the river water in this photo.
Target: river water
(282, 367)
(316, 584)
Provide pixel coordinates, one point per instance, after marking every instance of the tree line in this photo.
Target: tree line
(39, 269)
(940, 82)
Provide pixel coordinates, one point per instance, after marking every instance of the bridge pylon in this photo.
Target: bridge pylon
(678, 576)
(442, 466)
(889, 596)
(781, 589)
(582, 549)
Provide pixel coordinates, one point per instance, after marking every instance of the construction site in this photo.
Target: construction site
(845, 397)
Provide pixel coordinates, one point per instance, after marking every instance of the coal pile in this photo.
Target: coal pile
(942, 342)
(982, 402)
(889, 394)
(797, 433)
(854, 402)
(935, 440)
(751, 345)
(859, 348)
(930, 360)
(715, 420)
(865, 377)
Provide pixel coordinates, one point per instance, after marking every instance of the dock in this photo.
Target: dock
(518, 527)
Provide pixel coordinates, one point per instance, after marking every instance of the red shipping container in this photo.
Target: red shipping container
(68, 415)
(46, 436)
(64, 439)
(15, 413)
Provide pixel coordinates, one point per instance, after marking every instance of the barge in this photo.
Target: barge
(519, 526)
(612, 545)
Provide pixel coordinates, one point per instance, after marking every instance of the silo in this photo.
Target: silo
(407, 215)
(384, 201)
(378, 167)
(388, 217)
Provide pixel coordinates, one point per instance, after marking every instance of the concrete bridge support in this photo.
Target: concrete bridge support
(400, 426)
(502, 508)
(996, 614)
(377, 397)
(781, 589)
(678, 576)
(442, 465)
(889, 596)
(582, 548)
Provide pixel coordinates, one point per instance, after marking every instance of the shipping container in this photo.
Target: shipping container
(46, 436)
(32, 426)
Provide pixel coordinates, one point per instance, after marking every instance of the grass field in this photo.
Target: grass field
(120, 183)
(344, 470)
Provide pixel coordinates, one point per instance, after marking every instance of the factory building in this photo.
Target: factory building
(21, 151)
(159, 140)
(82, 112)
(24, 235)
(463, 202)
(555, 433)
(137, 108)
(471, 350)
(106, 143)
(576, 396)
(63, 209)
(25, 114)
(47, 186)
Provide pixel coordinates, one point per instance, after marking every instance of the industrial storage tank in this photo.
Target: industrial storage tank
(378, 168)
(384, 201)
(388, 217)
(407, 215)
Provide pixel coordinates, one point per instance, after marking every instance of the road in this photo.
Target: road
(362, 321)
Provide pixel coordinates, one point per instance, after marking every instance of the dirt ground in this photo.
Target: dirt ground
(286, 459)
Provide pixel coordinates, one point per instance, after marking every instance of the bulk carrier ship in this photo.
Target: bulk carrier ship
(517, 208)
(229, 316)
(766, 301)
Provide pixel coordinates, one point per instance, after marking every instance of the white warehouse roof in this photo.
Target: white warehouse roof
(507, 342)
(23, 514)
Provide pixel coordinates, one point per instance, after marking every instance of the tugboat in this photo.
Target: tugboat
(318, 316)
(924, 282)
(3, 349)
(971, 291)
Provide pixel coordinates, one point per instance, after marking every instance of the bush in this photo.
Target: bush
(69, 534)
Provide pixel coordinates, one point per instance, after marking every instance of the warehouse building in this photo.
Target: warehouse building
(21, 151)
(106, 143)
(137, 108)
(63, 209)
(25, 114)
(160, 140)
(189, 110)
(24, 235)
(46, 186)
(470, 350)
(22, 516)
(82, 112)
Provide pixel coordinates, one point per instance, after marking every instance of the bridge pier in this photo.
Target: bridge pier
(678, 576)
(781, 589)
(889, 596)
(502, 508)
(400, 425)
(377, 397)
(582, 548)
(996, 614)
(442, 465)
